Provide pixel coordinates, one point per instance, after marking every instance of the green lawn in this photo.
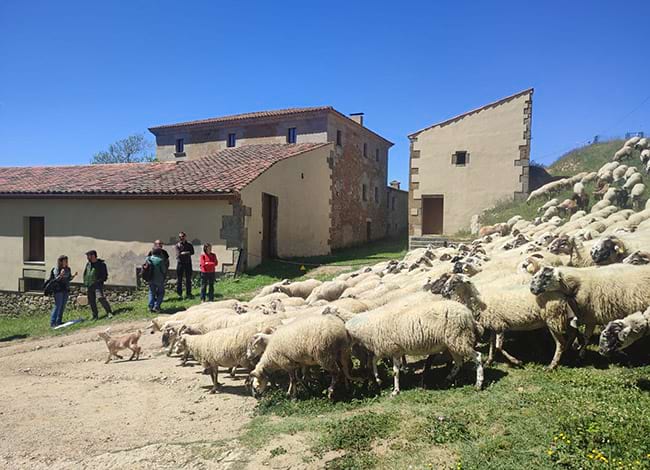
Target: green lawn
(243, 287)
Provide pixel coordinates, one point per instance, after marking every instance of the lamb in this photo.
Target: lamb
(619, 334)
(328, 291)
(299, 289)
(568, 207)
(513, 309)
(223, 348)
(597, 295)
(635, 195)
(314, 341)
(420, 329)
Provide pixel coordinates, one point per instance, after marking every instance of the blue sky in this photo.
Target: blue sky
(76, 76)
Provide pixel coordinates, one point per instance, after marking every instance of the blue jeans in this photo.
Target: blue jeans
(156, 294)
(60, 300)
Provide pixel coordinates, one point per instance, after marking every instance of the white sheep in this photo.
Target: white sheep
(633, 179)
(330, 290)
(624, 152)
(551, 203)
(644, 156)
(629, 172)
(421, 329)
(635, 195)
(298, 289)
(314, 341)
(597, 295)
(619, 172)
(643, 143)
(619, 334)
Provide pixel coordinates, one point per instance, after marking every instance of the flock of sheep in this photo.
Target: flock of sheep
(570, 270)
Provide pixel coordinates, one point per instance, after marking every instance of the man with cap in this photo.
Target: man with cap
(95, 275)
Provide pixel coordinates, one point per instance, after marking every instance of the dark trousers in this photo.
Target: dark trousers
(183, 271)
(96, 293)
(207, 283)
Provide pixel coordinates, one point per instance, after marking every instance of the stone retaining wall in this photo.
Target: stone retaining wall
(31, 303)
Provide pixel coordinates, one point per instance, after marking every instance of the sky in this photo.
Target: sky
(76, 76)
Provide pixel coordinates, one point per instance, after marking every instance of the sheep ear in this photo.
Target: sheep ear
(624, 333)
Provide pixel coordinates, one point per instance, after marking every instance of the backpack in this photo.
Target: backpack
(51, 285)
(147, 271)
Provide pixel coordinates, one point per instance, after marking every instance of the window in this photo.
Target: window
(377, 155)
(180, 145)
(339, 138)
(232, 140)
(365, 149)
(364, 192)
(34, 239)
(376, 194)
(460, 158)
(291, 135)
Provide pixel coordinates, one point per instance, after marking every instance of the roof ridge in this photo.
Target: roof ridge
(242, 116)
(474, 111)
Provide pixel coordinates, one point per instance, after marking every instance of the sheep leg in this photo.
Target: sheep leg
(109, 358)
(291, 391)
(214, 373)
(476, 358)
(171, 347)
(490, 358)
(375, 371)
(397, 366)
(499, 346)
(232, 372)
(118, 356)
(186, 356)
(333, 382)
(133, 352)
(458, 363)
(560, 346)
(589, 331)
(425, 370)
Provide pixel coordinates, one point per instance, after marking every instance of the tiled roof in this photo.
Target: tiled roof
(223, 173)
(241, 117)
(474, 111)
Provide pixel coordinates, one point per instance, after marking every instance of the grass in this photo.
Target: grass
(588, 158)
(243, 288)
(592, 417)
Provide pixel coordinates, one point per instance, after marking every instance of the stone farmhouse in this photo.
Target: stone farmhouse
(466, 164)
(287, 183)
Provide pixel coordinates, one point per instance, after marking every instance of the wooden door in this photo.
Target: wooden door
(432, 215)
(269, 226)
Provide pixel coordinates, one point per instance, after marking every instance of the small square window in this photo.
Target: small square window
(376, 155)
(364, 192)
(365, 149)
(180, 145)
(339, 138)
(232, 140)
(460, 158)
(291, 135)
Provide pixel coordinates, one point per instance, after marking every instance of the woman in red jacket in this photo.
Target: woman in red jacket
(209, 263)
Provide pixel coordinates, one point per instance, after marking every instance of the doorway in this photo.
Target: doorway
(432, 215)
(269, 226)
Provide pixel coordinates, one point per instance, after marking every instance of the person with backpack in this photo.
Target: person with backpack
(95, 275)
(184, 252)
(165, 255)
(208, 262)
(154, 271)
(59, 285)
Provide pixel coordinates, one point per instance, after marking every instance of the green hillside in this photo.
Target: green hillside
(588, 158)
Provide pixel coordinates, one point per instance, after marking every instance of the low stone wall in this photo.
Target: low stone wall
(31, 303)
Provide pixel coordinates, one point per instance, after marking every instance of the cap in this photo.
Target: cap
(91, 253)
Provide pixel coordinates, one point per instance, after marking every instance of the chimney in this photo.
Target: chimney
(394, 184)
(357, 117)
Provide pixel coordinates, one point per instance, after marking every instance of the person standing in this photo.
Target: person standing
(209, 263)
(184, 252)
(165, 255)
(158, 268)
(95, 275)
(62, 275)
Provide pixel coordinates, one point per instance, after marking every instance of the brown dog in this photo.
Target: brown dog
(114, 345)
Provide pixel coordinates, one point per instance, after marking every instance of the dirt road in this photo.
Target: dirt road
(62, 407)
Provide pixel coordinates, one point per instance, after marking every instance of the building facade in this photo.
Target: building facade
(466, 164)
(248, 202)
(359, 158)
(397, 201)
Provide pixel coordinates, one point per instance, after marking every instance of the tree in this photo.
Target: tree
(134, 149)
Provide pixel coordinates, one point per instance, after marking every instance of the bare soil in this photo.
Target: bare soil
(62, 407)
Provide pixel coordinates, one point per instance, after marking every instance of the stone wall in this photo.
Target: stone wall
(32, 303)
